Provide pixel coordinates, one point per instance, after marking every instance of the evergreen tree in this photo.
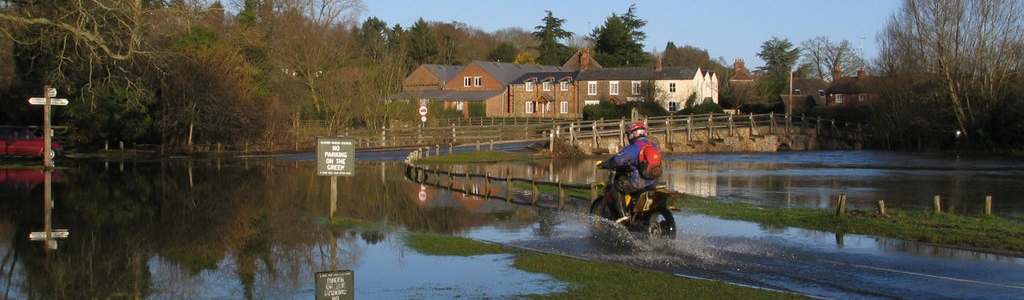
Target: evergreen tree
(551, 51)
(505, 52)
(779, 57)
(618, 42)
(422, 44)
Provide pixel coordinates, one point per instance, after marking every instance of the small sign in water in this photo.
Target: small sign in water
(335, 285)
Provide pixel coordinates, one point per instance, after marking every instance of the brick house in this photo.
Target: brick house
(545, 94)
(807, 93)
(846, 90)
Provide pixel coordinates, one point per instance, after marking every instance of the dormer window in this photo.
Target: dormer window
(529, 86)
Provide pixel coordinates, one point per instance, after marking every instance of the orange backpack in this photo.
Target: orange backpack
(650, 161)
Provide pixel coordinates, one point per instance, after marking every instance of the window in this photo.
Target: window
(563, 107)
(673, 106)
(839, 98)
(564, 85)
(672, 87)
(460, 105)
(636, 88)
(478, 81)
(613, 88)
(529, 86)
(821, 93)
(467, 81)
(797, 91)
(529, 107)
(862, 97)
(547, 86)
(547, 106)
(591, 102)
(591, 88)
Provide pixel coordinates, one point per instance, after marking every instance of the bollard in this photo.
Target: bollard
(881, 207)
(937, 201)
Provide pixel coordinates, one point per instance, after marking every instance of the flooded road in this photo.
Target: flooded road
(254, 228)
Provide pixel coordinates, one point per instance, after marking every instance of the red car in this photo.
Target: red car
(20, 141)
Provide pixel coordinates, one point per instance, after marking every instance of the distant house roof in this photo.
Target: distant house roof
(542, 76)
(448, 95)
(444, 72)
(581, 60)
(505, 73)
(645, 73)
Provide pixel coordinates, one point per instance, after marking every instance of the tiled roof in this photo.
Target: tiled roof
(647, 73)
(505, 73)
(541, 76)
(444, 72)
(448, 95)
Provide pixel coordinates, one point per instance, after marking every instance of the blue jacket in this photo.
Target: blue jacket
(628, 158)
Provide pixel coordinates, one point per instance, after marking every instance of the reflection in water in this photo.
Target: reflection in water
(255, 228)
(172, 228)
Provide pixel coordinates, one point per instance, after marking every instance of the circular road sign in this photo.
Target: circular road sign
(423, 110)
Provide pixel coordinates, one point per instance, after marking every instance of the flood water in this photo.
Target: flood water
(253, 227)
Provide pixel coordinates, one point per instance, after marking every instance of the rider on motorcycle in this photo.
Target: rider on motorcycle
(628, 179)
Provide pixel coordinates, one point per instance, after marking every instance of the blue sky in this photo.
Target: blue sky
(728, 29)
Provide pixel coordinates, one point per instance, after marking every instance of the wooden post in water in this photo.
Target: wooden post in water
(988, 205)
(841, 208)
(536, 192)
(881, 207)
(508, 189)
(487, 187)
(937, 201)
(561, 195)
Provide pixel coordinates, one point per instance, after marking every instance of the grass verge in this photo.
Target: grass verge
(594, 280)
(988, 232)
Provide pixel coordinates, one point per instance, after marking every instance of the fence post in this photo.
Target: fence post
(937, 202)
(689, 128)
(841, 209)
(753, 125)
(622, 127)
(732, 127)
(988, 205)
(881, 207)
(711, 126)
(453, 132)
(668, 131)
(771, 119)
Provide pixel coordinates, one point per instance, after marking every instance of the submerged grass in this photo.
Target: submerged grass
(594, 280)
(987, 232)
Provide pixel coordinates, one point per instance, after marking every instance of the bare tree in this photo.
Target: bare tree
(827, 57)
(967, 52)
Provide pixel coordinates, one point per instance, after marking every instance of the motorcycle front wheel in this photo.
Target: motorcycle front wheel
(600, 208)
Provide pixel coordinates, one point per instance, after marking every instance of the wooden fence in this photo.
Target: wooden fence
(534, 193)
(490, 130)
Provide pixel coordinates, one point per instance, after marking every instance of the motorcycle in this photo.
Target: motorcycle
(648, 213)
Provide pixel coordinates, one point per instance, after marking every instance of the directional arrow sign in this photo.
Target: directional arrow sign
(42, 101)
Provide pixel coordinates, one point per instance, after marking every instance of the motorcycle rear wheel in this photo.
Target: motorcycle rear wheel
(661, 223)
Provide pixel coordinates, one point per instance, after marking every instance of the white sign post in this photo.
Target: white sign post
(46, 101)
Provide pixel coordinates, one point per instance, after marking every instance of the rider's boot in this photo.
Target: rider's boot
(620, 208)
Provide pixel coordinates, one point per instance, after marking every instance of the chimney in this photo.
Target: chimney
(739, 66)
(837, 73)
(585, 58)
(657, 63)
(861, 74)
